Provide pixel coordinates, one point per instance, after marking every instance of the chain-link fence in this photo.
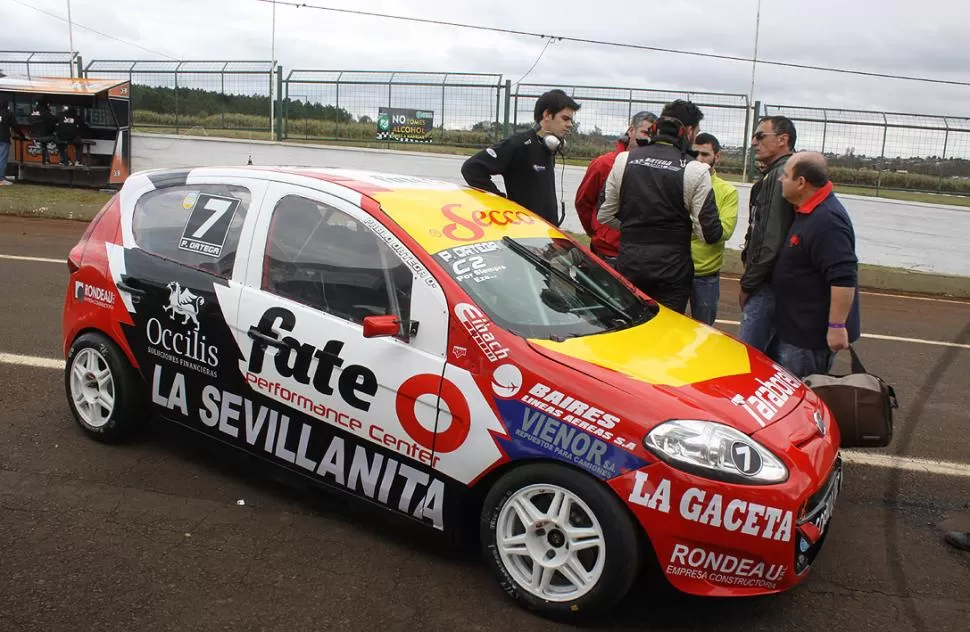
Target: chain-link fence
(34, 64)
(885, 150)
(605, 114)
(467, 108)
(232, 96)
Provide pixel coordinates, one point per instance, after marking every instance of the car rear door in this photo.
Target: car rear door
(190, 240)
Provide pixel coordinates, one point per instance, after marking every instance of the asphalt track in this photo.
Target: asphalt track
(910, 235)
(149, 535)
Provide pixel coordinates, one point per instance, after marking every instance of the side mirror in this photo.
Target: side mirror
(379, 326)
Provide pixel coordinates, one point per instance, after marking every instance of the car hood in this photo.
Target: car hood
(675, 367)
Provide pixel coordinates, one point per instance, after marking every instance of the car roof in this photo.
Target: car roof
(423, 207)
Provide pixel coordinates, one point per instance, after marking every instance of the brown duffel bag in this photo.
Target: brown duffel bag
(861, 403)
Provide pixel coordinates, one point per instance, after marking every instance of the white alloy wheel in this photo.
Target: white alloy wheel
(551, 542)
(92, 387)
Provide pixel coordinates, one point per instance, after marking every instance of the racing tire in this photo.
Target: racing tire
(573, 524)
(103, 391)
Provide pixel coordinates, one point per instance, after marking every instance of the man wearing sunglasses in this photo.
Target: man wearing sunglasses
(769, 218)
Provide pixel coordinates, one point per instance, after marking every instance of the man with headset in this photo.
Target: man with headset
(658, 195)
(527, 160)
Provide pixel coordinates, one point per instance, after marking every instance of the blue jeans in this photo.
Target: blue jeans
(4, 155)
(704, 298)
(801, 362)
(758, 321)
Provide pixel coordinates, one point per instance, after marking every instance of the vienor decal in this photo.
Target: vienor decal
(770, 396)
(357, 384)
(734, 515)
(333, 459)
(534, 433)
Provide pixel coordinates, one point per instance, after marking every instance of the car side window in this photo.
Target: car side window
(324, 258)
(198, 226)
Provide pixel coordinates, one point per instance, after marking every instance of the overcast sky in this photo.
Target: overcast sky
(927, 38)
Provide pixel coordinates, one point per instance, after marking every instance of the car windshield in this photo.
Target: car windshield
(543, 288)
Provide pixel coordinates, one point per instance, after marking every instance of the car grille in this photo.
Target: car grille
(805, 551)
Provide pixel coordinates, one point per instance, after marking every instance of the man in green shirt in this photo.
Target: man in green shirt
(708, 258)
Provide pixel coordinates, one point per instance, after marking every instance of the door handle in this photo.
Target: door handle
(262, 338)
(124, 285)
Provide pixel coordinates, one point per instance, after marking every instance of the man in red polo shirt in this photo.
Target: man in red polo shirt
(605, 240)
(816, 276)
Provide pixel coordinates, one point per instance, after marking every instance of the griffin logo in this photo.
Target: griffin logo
(182, 302)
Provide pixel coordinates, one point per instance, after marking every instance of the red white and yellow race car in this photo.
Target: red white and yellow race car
(443, 352)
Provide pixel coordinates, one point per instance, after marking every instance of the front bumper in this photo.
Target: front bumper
(725, 540)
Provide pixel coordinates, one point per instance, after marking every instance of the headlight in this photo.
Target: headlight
(716, 451)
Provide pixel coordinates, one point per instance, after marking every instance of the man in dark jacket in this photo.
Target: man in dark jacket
(816, 276)
(6, 133)
(42, 127)
(769, 218)
(658, 195)
(526, 160)
(605, 240)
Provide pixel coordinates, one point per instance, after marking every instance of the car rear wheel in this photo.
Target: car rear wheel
(560, 542)
(102, 389)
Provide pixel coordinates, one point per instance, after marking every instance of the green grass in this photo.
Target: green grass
(52, 202)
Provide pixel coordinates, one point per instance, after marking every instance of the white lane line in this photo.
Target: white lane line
(908, 463)
(888, 461)
(32, 361)
(919, 341)
(931, 299)
(38, 259)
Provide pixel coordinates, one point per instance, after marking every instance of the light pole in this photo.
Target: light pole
(272, 83)
(70, 34)
(754, 66)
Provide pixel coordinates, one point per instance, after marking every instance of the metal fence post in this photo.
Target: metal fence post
(882, 153)
(80, 67)
(946, 140)
(508, 102)
(278, 123)
(750, 163)
(177, 98)
(744, 141)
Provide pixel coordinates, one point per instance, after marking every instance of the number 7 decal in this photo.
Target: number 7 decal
(208, 224)
(219, 208)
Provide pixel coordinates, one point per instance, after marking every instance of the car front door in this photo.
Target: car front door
(362, 411)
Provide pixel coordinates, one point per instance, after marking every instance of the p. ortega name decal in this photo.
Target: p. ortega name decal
(732, 515)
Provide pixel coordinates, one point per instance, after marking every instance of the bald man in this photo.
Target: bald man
(816, 277)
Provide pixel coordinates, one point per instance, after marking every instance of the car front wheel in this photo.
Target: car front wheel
(560, 542)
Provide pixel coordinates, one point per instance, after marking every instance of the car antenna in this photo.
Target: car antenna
(250, 163)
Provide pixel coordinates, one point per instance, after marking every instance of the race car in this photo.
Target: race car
(445, 353)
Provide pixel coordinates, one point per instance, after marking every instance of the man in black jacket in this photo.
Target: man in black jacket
(658, 195)
(526, 160)
(6, 132)
(770, 216)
